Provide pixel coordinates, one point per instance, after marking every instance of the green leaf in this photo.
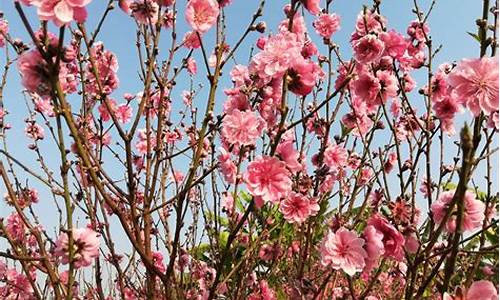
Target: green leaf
(475, 36)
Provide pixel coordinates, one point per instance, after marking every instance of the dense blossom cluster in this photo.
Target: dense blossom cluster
(313, 175)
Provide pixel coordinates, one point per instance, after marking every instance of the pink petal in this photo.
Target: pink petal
(63, 12)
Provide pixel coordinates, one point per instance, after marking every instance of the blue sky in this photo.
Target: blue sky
(449, 23)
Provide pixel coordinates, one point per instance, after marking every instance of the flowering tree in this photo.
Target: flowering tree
(314, 175)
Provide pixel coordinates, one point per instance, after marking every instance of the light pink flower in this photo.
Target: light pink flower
(482, 290)
(374, 246)
(267, 177)
(393, 239)
(123, 113)
(280, 53)
(473, 211)
(4, 30)
(85, 247)
(191, 66)
(242, 128)
(34, 131)
(287, 153)
(227, 166)
(395, 43)
(145, 11)
(62, 12)
(343, 250)
(335, 156)
(368, 49)
(327, 24)
(296, 208)
(475, 82)
(202, 14)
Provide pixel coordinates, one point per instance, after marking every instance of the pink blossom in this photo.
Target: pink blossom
(367, 22)
(327, 24)
(267, 177)
(389, 85)
(242, 128)
(393, 239)
(123, 113)
(287, 153)
(4, 30)
(158, 261)
(145, 11)
(298, 26)
(296, 208)
(312, 6)
(61, 12)
(367, 87)
(191, 40)
(309, 49)
(482, 290)
(85, 247)
(34, 131)
(374, 246)
(202, 14)
(280, 52)
(335, 156)
(303, 76)
(395, 43)
(473, 215)
(16, 227)
(44, 106)
(418, 31)
(343, 250)
(368, 49)
(191, 66)
(227, 166)
(103, 109)
(392, 159)
(475, 82)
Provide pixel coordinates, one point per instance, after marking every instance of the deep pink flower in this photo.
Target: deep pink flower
(312, 6)
(85, 247)
(202, 14)
(242, 128)
(473, 211)
(475, 82)
(303, 76)
(393, 239)
(343, 250)
(368, 49)
(335, 156)
(62, 12)
(367, 86)
(191, 40)
(268, 177)
(296, 208)
(327, 24)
